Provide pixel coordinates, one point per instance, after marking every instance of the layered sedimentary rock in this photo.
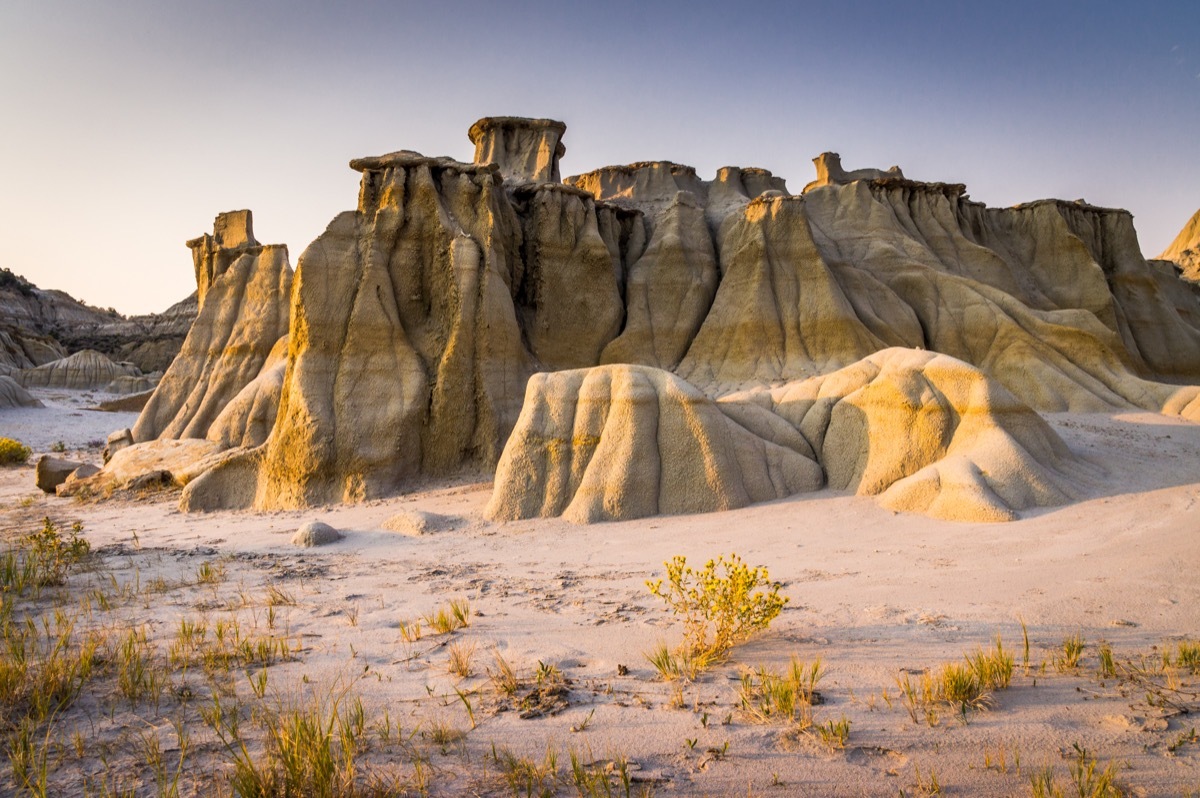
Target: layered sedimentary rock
(567, 295)
(924, 431)
(722, 304)
(405, 355)
(1184, 251)
(212, 255)
(248, 418)
(244, 314)
(81, 371)
(620, 442)
(20, 349)
(525, 150)
(37, 326)
(13, 395)
(830, 172)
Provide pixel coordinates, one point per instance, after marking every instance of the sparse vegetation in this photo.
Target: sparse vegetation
(1071, 651)
(1088, 779)
(13, 452)
(767, 696)
(721, 605)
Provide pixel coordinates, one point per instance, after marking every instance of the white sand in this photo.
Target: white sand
(872, 593)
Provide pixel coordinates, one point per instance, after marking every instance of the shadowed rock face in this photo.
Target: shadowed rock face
(13, 395)
(418, 318)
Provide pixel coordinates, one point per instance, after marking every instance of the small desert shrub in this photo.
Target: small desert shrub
(13, 452)
(311, 749)
(503, 678)
(834, 733)
(1108, 667)
(721, 605)
(671, 665)
(42, 558)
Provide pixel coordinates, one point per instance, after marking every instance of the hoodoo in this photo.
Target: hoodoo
(697, 344)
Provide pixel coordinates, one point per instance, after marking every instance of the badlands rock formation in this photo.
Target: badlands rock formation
(86, 370)
(618, 442)
(13, 395)
(929, 433)
(1185, 249)
(830, 172)
(38, 326)
(245, 290)
(875, 334)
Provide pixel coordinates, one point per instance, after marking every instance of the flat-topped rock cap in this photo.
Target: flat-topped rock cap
(490, 123)
(409, 159)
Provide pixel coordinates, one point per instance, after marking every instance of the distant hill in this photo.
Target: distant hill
(39, 325)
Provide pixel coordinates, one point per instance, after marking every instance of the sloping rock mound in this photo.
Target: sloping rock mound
(39, 326)
(13, 395)
(141, 383)
(927, 433)
(621, 442)
(924, 431)
(244, 313)
(149, 341)
(1185, 250)
(20, 349)
(81, 371)
(162, 464)
(248, 418)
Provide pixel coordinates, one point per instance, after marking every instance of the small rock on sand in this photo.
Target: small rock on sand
(415, 523)
(316, 533)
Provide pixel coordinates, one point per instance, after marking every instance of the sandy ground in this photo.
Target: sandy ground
(873, 595)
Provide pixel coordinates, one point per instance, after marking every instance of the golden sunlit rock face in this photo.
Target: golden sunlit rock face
(698, 344)
(1184, 251)
(245, 292)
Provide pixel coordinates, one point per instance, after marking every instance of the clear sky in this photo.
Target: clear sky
(128, 125)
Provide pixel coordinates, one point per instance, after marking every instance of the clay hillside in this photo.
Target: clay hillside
(640, 340)
(39, 326)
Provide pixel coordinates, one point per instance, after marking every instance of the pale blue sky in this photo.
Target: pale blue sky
(129, 125)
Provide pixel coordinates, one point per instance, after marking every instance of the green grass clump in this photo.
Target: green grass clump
(13, 452)
(768, 696)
